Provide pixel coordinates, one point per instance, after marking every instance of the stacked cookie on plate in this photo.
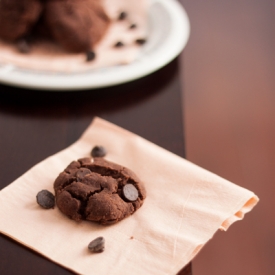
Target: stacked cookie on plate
(75, 25)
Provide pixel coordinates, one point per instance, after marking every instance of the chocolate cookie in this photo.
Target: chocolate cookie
(18, 17)
(98, 190)
(76, 25)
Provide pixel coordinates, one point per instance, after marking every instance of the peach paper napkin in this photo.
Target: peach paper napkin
(185, 206)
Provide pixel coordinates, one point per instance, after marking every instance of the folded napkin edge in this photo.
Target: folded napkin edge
(239, 215)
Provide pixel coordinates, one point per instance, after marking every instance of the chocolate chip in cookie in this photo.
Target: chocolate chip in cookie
(130, 193)
(81, 173)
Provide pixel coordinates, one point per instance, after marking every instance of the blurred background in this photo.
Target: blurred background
(229, 116)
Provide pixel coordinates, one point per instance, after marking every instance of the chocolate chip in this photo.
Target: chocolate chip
(45, 199)
(23, 46)
(130, 193)
(122, 15)
(97, 245)
(82, 172)
(98, 151)
(141, 41)
(118, 44)
(133, 26)
(90, 55)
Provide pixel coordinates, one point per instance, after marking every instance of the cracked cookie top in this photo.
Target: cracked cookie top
(98, 190)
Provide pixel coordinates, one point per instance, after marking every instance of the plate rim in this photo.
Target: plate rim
(82, 81)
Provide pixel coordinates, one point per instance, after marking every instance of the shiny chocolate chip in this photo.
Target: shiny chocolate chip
(90, 55)
(133, 26)
(97, 245)
(98, 152)
(141, 41)
(122, 15)
(45, 199)
(81, 173)
(129, 192)
(119, 44)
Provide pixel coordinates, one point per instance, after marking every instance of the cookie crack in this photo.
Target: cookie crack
(83, 201)
(107, 173)
(65, 184)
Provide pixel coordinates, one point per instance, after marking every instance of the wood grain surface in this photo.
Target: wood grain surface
(35, 125)
(228, 70)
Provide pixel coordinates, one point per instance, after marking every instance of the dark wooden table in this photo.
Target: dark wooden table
(228, 67)
(37, 124)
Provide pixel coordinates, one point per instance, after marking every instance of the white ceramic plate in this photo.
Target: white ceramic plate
(168, 34)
